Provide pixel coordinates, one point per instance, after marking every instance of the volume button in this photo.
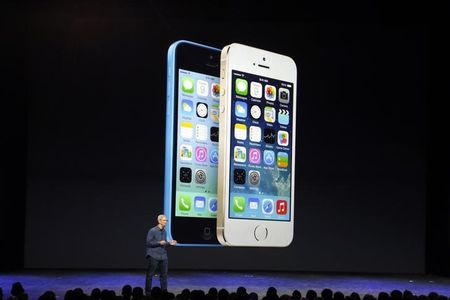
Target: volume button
(223, 63)
(169, 108)
(169, 103)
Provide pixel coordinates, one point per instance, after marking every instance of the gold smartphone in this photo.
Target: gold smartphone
(256, 172)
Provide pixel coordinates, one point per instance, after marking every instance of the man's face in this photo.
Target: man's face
(162, 221)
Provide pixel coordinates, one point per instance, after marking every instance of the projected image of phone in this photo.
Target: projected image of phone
(257, 148)
(192, 136)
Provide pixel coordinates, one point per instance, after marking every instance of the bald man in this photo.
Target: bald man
(157, 254)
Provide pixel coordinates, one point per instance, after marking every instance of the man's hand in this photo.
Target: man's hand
(162, 243)
(172, 242)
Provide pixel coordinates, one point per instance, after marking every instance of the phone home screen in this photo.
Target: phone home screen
(197, 145)
(261, 147)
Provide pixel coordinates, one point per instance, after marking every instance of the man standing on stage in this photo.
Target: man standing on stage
(157, 254)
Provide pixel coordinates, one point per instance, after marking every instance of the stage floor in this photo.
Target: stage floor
(37, 282)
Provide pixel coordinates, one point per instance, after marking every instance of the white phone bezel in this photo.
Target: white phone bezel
(241, 232)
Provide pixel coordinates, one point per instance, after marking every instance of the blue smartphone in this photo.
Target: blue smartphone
(192, 138)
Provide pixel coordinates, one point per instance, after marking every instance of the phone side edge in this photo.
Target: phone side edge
(168, 164)
(294, 147)
(223, 146)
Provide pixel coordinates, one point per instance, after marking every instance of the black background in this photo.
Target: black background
(83, 179)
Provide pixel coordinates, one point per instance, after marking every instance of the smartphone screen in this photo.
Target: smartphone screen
(197, 145)
(261, 149)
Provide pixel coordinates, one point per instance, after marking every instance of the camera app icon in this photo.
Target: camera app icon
(283, 95)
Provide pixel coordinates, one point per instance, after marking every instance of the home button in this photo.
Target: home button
(260, 233)
(207, 233)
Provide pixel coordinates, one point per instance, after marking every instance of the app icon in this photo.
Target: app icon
(202, 110)
(239, 176)
(267, 206)
(255, 134)
(187, 85)
(283, 116)
(254, 156)
(240, 154)
(240, 131)
(240, 109)
(212, 205)
(283, 138)
(186, 152)
(214, 134)
(269, 114)
(255, 112)
(269, 136)
(187, 106)
(269, 157)
(214, 110)
(187, 130)
(253, 203)
(215, 90)
(199, 203)
(283, 95)
(282, 160)
(200, 176)
(238, 204)
(254, 177)
(270, 92)
(241, 87)
(185, 175)
(184, 202)
(201, 132)
(202, 88)
(214, 156)
(281, 207)
(256, 89)
(201, 153)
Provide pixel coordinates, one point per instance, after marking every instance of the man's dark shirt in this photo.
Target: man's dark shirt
(153, 247)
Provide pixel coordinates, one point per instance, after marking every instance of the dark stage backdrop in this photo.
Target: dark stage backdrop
(96, 109)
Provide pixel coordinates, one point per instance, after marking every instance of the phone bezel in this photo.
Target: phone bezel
(194, 57)
(241, 232)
